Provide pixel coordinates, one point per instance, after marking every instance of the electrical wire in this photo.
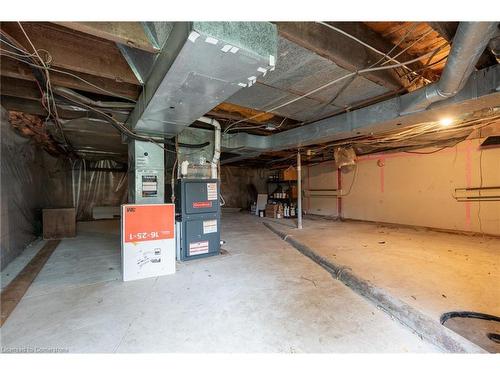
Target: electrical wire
(119, 126)
(72, 75)
(348, 83)
(329, 84)
(129, 133)
(368, 46)
(351, 80)
(352, 182)
(49, 95)
(391, 137)
(259, 126)
(410, 45)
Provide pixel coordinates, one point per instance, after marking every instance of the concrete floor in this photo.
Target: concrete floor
(435, 272)
(263, 296)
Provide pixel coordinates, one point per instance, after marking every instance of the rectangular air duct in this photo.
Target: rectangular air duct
(200, 66)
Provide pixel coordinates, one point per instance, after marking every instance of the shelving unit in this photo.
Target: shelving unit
(272, 186)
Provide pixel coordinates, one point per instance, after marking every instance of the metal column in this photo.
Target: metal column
(299, 191)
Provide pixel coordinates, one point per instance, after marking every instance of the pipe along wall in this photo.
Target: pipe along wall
(412, 189)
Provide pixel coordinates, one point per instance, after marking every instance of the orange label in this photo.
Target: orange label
(148, 222)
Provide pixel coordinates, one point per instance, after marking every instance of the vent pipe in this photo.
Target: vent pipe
(216, 157)
(469, 43)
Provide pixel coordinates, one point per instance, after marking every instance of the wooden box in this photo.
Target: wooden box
(59, 223)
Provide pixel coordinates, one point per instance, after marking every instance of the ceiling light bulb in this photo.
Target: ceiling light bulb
(446, 121)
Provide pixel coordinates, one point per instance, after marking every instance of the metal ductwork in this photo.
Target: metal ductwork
(469, 43)
(480, 92)
(459, 91)
(200, 66)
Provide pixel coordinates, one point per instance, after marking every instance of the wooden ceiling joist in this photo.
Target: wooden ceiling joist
(105, 86)
(73, 50)
(129, 33)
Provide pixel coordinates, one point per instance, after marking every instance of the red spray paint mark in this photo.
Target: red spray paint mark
(468, 182)
(339, 197)
(381, 164)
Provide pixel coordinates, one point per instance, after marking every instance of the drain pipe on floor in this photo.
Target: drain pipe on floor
(216, 157)
(299, 191)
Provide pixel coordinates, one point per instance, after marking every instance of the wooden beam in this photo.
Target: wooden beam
(446, 29)
(15, 69)
(19, 88)
(237, 112)
(74, 50)
(344, 51)
(35, 107)
(129, 33)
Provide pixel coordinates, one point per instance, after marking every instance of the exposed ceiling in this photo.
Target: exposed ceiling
(88, 57)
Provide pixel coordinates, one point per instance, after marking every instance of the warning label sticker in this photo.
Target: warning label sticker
(212, 191)
(196, 248)
(209, 226)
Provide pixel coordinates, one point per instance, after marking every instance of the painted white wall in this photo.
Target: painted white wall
(414, 189)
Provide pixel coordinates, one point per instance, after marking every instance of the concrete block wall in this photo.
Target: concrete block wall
(413, 189)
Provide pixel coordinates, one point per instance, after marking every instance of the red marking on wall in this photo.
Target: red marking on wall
(339, 197)
(382, 174)
(468, 181)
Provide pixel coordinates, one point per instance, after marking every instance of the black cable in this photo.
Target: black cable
(39, 76)
(129, 133)
(467, 314)
(495, 337)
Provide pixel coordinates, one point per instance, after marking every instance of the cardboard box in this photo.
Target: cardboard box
(271, 210)
(290, 174)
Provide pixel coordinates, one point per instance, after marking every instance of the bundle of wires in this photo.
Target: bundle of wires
(352, 75)
(41, 70)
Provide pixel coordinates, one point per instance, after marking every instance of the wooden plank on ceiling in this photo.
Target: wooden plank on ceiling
(238, 112)
(341, 50)
(34, 107)
(19, 88)
(14, 69)
(129, 33)
(420, 38)
(73, 50)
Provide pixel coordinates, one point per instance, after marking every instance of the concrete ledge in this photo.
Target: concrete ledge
(425, 327)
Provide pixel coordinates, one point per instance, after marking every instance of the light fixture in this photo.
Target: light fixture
(446, 121)
(270, 126)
